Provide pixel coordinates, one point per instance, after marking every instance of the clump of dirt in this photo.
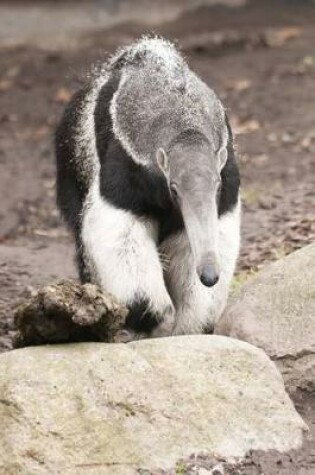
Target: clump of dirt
(69, 312)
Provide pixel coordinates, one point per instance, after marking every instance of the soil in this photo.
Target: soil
(260, 60)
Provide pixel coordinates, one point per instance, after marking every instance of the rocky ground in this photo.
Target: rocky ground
(231, 402)
(260, 60)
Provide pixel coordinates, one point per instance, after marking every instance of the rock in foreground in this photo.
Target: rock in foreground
(276, 311)
(107, 409)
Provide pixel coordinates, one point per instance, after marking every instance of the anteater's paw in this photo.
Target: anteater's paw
(166, 323)
(126, 336)
(143, 318)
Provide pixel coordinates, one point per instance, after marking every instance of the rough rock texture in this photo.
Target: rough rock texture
(107, 409)
(67, 311)
(276, 311)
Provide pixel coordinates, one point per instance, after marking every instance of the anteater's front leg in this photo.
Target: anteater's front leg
(120, 251)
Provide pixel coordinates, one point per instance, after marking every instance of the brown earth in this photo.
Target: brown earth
(260, 60)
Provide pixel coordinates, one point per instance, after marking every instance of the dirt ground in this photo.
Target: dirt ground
(260, 60)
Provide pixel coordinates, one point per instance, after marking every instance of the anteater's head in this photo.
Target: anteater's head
(192, 165)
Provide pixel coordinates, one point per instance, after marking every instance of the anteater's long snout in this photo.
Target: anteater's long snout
(201, 223)
(209, 270)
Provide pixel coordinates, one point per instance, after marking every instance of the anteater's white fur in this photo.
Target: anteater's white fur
(120, 248)
(123, 256)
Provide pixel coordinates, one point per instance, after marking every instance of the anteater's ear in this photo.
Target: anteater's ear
(163, 161)
(222, 157)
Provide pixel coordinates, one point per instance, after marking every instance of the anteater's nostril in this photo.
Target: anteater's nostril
(209, 276)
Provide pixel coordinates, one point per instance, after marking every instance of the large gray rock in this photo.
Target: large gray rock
(111, 409)
(276, 311)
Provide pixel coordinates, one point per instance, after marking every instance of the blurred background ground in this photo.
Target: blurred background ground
(259, 56)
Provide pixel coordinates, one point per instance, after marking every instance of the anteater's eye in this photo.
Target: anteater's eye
(174, 190)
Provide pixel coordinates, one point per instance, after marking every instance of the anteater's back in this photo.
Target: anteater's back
(155, 98)
(158, 98)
